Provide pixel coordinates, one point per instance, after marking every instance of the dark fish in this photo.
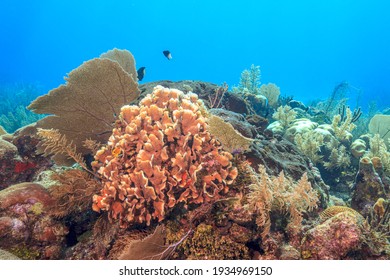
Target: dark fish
(167, 54)
(141, 73)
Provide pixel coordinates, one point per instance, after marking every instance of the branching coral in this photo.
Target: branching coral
(310, 144)
(72, 192)
(294, 198)
(160, 155)
(216, 98)
(56, 144)
(343, 128)
(230, 138)
(338, 158)
(260, 199)
(285, 115)
(378, 149)
(280, 194)
(249, 81)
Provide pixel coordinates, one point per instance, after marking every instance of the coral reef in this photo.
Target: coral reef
(160, 155)
(282, 155)
(334, 210)
(337, 98)
(342, 128)
(208, 240)
(165, 175)
(206, 244)
(338, 158)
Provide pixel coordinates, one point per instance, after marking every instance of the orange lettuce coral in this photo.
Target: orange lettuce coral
(159, 155)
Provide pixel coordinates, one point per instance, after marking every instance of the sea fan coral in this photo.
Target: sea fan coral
(343, 127)
(159, 155)
(231, 139)
(87, 105)
(272, 92)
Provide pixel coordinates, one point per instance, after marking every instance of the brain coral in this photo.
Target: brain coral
(160, 155)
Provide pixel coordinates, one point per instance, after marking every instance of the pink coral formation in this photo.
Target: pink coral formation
(160, 155)
(26, 229)
(333, 239)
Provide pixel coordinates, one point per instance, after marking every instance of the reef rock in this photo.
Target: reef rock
(26, 229)
(18, 159)
(334, 238)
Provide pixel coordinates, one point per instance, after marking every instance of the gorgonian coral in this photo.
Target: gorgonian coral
(160, 155)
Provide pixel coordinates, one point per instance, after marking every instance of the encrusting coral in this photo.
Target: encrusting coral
(160, 154)
(334, 238)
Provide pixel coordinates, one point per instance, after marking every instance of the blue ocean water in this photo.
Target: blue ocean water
(305, 47)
